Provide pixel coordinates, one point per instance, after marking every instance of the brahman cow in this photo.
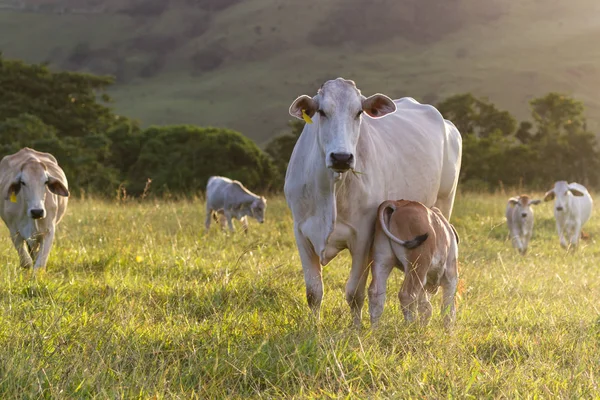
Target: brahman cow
(572, 209)
(233, 200)
(424, 244)
(348, 161)
(33, 200)
(519, 218)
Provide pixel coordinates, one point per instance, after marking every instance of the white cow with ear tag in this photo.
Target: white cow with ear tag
(519, 218)
(572, 208)
(33, 199)
(354, 153)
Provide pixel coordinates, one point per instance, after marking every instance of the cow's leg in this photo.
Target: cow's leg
(355, 287)
(449, 282)
(445, 203)
(516, 241)
(410, 293)
(229, 216)
(425, 308)
(20, 244)
(222, 220)
(561, 234)
(526, 240)
(34, 246)
(244, 222)
(312, 273)
(209, 216)
(46, 245)
(574, 237)
(380, 271)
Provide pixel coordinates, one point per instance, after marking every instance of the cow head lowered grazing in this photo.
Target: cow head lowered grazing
(227, 199)
(519, 218)
(400, 149)
(339, 106)
(33, 200)
(572, 208)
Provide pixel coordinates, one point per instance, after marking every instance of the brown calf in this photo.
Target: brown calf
(424, 244)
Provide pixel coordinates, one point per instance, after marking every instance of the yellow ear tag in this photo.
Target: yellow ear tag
(13, 197)
(306, 117)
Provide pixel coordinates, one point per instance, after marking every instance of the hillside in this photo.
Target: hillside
(240, 63)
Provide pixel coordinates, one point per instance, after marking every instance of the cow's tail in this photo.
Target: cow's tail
(384, 213)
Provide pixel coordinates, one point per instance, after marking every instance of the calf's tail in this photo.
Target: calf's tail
(384, 212)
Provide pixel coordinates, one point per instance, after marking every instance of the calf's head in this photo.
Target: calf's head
(560, 194)
(338, 107)
(523, 205)
(258, 208)
(31, 183)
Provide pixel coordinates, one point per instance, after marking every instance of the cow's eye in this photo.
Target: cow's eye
(321, 113)
(359, 113)
(22, 183)
(45, 183)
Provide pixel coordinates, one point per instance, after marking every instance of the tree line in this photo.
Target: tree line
(69, 115)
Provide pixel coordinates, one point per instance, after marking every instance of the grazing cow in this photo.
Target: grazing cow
(572, 209)
(424, 244)
(233, 200)
(348, 161)
(519, 218)
(33, 199)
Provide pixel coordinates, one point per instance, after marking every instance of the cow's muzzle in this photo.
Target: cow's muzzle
(341, 162)
(37, 213)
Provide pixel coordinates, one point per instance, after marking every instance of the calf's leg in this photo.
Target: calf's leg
(380, 271)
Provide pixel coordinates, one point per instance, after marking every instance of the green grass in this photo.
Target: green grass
(137, 302)
(530, 50)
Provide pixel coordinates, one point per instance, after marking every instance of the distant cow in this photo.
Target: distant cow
(233, 200)
(354, 153)
(423, 243)
(572, 209)
(33, 199)
(519, 218)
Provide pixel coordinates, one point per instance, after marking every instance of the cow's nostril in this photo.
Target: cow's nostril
(36, 213)
(523, 215)
(341, 158)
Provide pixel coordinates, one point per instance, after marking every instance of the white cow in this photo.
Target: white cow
(572, 209)
(33, 199)
(231, 198)
(345, 164)
(519, 218)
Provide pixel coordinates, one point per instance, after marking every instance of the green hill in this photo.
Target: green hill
(240, 63)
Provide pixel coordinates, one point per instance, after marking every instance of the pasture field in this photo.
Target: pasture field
(137, 302)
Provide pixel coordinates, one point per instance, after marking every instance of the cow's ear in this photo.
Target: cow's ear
(306, 103)
(56, 187)
(14, 188)
(549, 195)
(535, 202)
(378, 105)
(513, 200)
(576, 192)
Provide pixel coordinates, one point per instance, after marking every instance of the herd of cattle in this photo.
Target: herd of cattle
(381, 186)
